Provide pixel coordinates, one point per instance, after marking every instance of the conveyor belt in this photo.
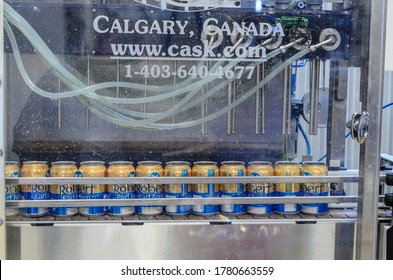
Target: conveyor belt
(345, 215)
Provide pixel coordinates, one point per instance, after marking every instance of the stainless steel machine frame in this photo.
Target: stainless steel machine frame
(354, 234)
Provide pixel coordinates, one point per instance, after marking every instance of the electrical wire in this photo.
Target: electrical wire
(387, 105)
(299, 125)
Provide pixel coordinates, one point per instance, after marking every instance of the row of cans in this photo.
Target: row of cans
(172, 169)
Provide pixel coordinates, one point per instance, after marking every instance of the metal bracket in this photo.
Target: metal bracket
(359, 126)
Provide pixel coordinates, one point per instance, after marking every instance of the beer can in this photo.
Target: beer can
(312, 168)
(260, 189)
(149, 169)
(287, 168)
(233, 168)
(12, 192)
(92, 191)
(68, 191)
(178, 169)
(38, 169)
(205, 169)
(121, 191)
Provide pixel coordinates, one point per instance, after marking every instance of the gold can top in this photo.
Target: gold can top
(92, 162)
(313, 163)
(35, 162)
(205, 162)
(178, 162)
(286, 163)
(11, 162)
(64, 162)
(232, 162)
(149, 162)
(260, 162)
(120, 162)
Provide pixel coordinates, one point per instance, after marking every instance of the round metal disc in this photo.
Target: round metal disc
(326, 34)
(323, 107)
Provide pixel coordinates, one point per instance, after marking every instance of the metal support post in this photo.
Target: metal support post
(2, 141)
(372, 97)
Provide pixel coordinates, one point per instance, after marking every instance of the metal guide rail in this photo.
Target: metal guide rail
(348, 203)
(334, 215)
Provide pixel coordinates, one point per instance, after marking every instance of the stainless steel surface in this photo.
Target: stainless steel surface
(366, 232)
(253, 240)
(314, 96)
(382, 235)
(337, 111)
(3, 138)
(178, 201)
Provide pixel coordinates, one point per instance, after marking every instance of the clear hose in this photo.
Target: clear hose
(104, 107)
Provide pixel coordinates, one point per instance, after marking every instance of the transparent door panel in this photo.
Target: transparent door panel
(231, 82)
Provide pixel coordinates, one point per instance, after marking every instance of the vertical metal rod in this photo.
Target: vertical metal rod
(229, 114)
(59, 102)
(260, 101)
(234, 109)
(374, 15)
(118, 80)
(258, 97)
(204, 106)
(88, 83)
(145, 104)
(204, 114)
(314, 95)
(174, 83)
(3, 139)
(324, 73)
(287, 101)
(263, 74)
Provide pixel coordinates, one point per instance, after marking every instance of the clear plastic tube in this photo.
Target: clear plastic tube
(60, 71)
(111, 112)
(270, 76)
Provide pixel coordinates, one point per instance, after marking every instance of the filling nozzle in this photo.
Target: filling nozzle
(241, 40)
(330, 40)
(211, 41)
(298, 41)
(266, 42)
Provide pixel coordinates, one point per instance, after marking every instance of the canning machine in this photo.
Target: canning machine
(169, 80)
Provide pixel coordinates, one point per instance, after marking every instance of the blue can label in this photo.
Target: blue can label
(94, 210)
(178, 209)
(314, 190)
(314, 208)
(63, 211)
(260, 190)
(149, 210)
(121, 192)
(233, 208)
(12, 191)
(34, 211)
(150, 191)
(205, 209)
(290, 208)
(64, 192)
(35, 192)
